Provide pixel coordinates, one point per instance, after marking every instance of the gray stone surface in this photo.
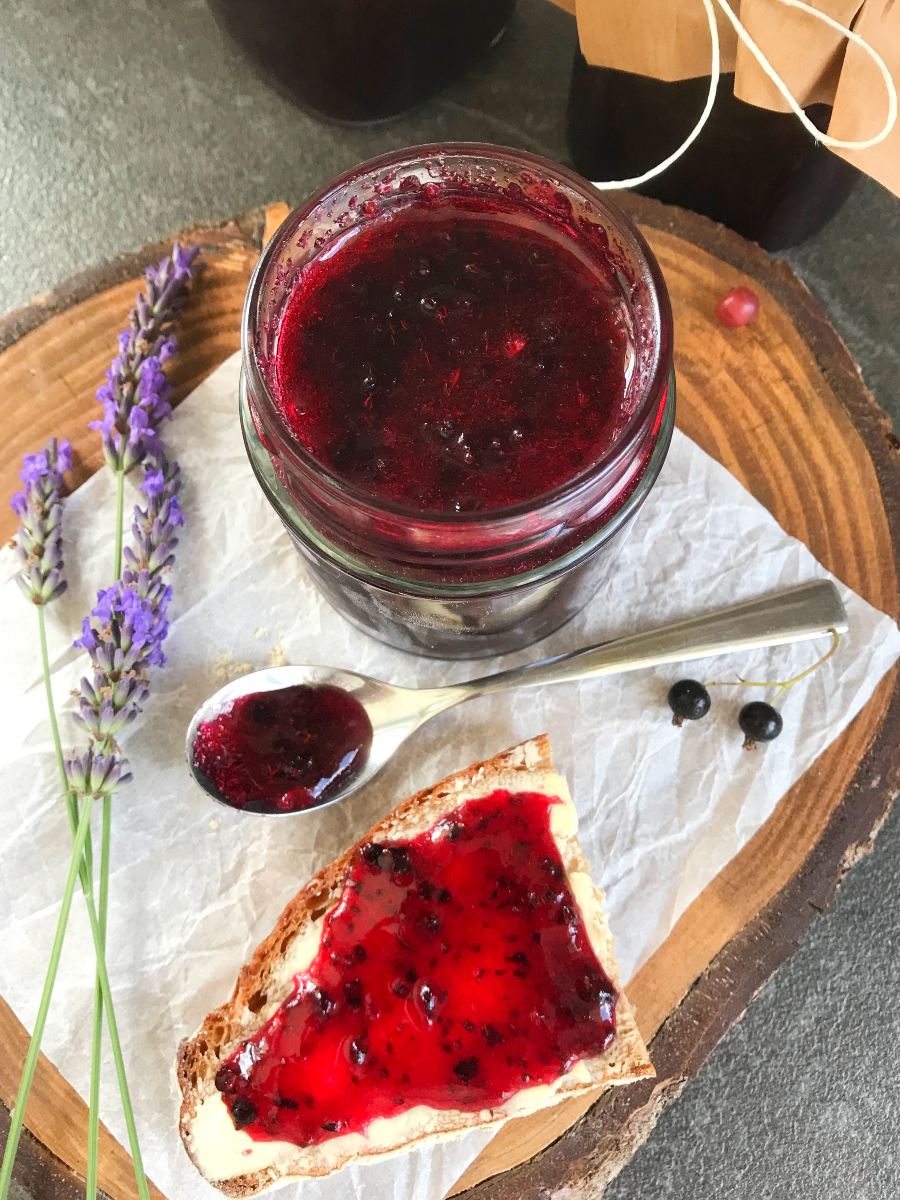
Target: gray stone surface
(800, 1099)
(121, 120)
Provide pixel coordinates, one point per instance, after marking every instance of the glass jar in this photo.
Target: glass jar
(757, 171)
(363, 60)
(458, 584)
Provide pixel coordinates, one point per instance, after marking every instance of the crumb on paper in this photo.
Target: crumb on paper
(261, 632)
(277, 657)
(213, 823)
(226, 668)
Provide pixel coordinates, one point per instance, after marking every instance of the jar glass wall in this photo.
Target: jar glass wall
(470, 583)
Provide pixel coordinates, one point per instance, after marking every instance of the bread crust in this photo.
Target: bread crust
(258, 990)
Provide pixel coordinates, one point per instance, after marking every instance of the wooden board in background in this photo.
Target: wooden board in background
(781, 404)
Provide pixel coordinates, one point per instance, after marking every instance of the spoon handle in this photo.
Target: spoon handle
(810, 611)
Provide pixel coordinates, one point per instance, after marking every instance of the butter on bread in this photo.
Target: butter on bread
(239, 1165)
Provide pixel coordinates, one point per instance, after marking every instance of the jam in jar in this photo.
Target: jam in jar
(457, 392)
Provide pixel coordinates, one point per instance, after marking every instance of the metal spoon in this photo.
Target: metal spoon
(811, 611)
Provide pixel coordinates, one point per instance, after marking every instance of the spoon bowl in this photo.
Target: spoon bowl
(394, 712)
(813, 610)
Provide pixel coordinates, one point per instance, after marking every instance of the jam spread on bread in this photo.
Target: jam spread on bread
(284, 750)
(454, 971)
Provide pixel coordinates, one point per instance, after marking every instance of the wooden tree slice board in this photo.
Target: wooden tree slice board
(782, 405)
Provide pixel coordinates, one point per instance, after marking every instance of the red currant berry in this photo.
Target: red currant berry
(738, 307)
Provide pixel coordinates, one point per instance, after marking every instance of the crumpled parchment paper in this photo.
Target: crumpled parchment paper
(195, 886)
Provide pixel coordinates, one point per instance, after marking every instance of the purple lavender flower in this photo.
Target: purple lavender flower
(153, 528)
(123, 636)
(135, 397)
(95, 774)
(106, 706)
(125, 632)
(39, 508)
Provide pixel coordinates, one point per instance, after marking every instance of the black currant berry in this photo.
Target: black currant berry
(243, 1112)
(228, 1078)
(688, 700)
(759, 722)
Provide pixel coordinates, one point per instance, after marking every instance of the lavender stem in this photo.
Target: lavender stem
(17, 1116)
(93, 1140)
(120, 523)
(87, 887)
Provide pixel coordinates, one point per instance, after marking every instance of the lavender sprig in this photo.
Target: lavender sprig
(39, 508)
(125, 632)
(135, 397)
(123, 636)
(128, 625)
(93, 776)
(126, 629)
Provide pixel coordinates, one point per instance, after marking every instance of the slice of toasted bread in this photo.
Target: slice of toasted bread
(241, 1166)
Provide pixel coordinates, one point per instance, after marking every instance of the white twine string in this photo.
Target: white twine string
(769, 70)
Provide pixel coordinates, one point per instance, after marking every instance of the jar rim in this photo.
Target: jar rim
(649, 271)
(290, 516)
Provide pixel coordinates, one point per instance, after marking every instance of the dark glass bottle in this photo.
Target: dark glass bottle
(757, 171)
(362, 60)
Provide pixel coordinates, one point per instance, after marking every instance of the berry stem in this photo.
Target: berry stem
(781, 685)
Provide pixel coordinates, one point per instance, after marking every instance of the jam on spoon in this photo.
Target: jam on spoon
(284, 750)
(454, 971)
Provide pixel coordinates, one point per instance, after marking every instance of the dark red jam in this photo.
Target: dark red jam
(455, 355)
(284, 750)
(454, 971)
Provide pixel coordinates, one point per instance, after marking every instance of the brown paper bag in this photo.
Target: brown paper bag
(669, 40)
